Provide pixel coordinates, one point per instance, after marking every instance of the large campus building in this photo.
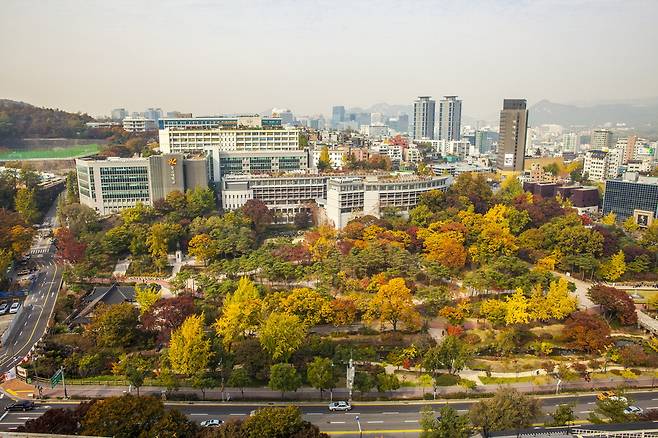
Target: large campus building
(245, 158)
(246, 144)
(110, 185)
(632, 196)
(341, 198)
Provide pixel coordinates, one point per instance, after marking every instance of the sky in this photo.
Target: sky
(214, 57)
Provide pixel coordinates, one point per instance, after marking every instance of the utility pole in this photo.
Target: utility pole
(350, 378)
(66, 396)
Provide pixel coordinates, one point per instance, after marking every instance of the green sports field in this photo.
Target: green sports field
(57, 152)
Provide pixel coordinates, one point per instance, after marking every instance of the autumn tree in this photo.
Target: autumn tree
(189, 350)
(393, 303)
(307, 304)
(324, 162)
(168, 314)
(199, 201)
(276, 422)
(260, 215)
(507, 410)
(609, 219)
(281, 335)
(68, 247)
(240, 313)
(517, 308)
(114, 325)
(130, 416)
(202, 247)
(146, 297)
(614, 268)
(160, 238)
(587, 332)
(26, 204)
(614, 302)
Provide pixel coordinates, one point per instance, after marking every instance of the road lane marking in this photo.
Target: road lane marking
(374, 422)
(238, 414)
(337, 422)
(198, 414)
(390, 413)
(411, 421)
(5, 414)
(585, 412)
(314, 413)
(3, 364)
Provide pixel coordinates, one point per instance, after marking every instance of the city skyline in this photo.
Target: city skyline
(295, 56)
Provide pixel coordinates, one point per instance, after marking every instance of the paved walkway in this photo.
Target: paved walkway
(581, 290)
(644, 320)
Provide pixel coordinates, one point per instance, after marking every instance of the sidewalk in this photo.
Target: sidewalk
(312, 394)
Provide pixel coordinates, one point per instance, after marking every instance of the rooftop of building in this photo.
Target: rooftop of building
(634, 177)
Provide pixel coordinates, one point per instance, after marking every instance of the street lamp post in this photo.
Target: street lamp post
(358, 422)
(557, 386)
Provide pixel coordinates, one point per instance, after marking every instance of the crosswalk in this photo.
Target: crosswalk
(35, 251)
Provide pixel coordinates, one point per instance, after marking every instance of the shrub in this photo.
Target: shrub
(446, 380)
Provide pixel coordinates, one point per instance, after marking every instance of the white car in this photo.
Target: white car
(14, 307)
(618, 398)
(211, 423)
(340, 406)
(3, 308)
(633, 410)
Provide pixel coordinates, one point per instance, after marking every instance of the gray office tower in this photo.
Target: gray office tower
(337, 115)
(424, 114)
(512, 136)
(450, 118)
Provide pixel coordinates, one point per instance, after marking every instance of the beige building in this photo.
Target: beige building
(512, 135)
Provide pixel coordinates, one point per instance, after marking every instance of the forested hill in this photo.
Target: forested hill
(22, 120)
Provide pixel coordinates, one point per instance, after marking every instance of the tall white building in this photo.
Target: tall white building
(450, 118)
(424, 116)
(601, 165)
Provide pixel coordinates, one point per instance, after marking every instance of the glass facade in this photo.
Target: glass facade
(125, 183)
(624, 197)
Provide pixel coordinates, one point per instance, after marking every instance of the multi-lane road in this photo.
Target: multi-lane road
(389, 419)
(31, 323)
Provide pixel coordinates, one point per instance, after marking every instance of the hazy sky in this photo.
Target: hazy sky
(234, 56)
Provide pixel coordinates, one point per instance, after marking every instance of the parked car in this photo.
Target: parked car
(23, 272)
(214, 422)
(14, 307)
(340, 406)
(633, 410)
(618, 398)
(20, 406)
(3, 308)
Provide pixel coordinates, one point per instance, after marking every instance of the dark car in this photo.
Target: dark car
(20, 406)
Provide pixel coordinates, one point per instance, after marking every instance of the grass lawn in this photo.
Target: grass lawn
(537, 380)
(645, 294)
(51, 153)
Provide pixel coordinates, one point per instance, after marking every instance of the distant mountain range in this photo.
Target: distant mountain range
(639, 114)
